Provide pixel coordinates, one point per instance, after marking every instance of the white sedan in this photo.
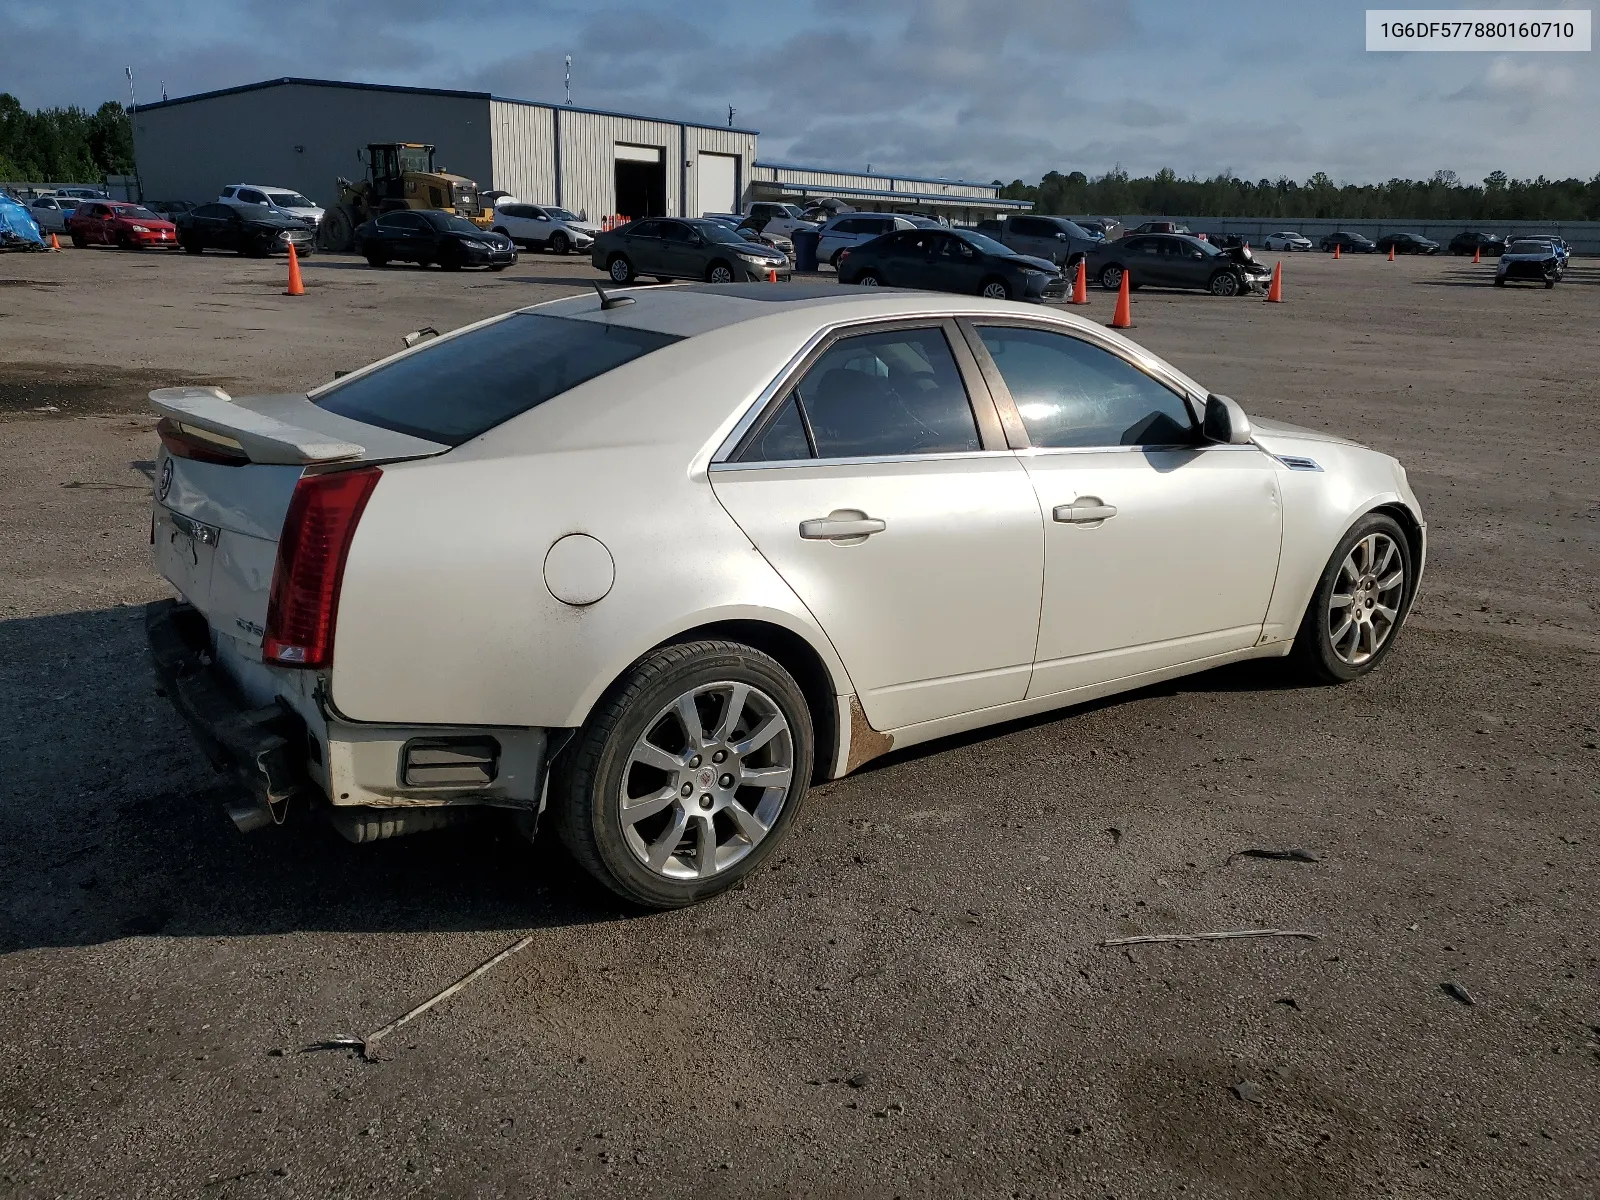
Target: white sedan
(650, 565)
(1286, 241)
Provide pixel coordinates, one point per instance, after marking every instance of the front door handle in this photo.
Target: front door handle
(1085, 510)
(847, 525)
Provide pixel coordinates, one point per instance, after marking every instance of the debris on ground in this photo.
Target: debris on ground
(1292, 854)
(1247, 1091)
(1143, 938)
(1456, 992)
(1116, 834)
(1288, 1002)
(859, 1080)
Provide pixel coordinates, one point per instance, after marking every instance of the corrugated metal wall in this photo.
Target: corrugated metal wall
(824, 178)
(588, 158)
(301, 137)
(523, 140)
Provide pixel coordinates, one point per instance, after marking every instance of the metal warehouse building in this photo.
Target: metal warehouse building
(305, 133)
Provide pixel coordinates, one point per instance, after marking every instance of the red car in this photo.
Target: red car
(113, 223)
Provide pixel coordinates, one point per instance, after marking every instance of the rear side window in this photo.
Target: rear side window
(460, 387)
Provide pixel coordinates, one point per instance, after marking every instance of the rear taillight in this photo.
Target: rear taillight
(311, 555)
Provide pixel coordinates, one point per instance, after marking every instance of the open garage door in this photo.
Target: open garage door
(719, 183)
(641, 181)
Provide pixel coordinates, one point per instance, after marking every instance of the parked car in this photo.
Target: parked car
(114, 223)
(855, 229)
(50, 213)
(83, 193)
(1056, 239)
(281, 200)
(1407, 243)
(750, 234)
(170, 209)
(1159, 227)
(684, 248)
(1559, 245)
(237, 228)
(951, 260)
(425, 235)
(777, 218)
(1468, 241)
(1287, 241)
(1532, 259)
(644, 573)
(544, 227)
(1171, 260)
(1348, 243)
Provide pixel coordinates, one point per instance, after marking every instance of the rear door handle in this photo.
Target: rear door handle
(840, 525)
(1085, 510)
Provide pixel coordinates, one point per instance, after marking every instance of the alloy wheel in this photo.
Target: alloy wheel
(707, 780)
(995, 290)
(1364, 608)
(1111, 278)
(720, 274)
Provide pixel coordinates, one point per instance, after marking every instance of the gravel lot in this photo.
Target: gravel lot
(912, 1001)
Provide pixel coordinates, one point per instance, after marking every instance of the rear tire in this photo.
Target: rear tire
(81, 242)
(1331, 647)
(620, 269)
(377, 258)
(1111, 277)
(194, 246)
(636, 745)
(869, 278)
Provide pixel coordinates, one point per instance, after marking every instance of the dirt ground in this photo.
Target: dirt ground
(913, 1000)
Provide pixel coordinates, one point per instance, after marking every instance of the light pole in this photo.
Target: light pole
(133, 131)
(569, 81)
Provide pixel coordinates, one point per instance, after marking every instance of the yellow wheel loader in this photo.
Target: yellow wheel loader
(399, 175)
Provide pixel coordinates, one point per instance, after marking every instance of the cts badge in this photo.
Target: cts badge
(165, 485)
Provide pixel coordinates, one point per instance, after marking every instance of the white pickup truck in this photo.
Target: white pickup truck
(771, 217)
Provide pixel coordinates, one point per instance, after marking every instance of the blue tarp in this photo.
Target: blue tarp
(16, 224)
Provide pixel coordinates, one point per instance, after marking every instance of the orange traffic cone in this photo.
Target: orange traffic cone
(55, 243)
(1080, 284)
(772, 275)
(1391, 253)
(1275, 292)
(1336, 251)
(1123, 317)
(1477, 254)
(296, 288)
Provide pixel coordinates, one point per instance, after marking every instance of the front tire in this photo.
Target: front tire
(1361, 601)
(995, 289)
(1224, 283)
(719, 272)
(620, 269)
(559, 243)
(687, 775)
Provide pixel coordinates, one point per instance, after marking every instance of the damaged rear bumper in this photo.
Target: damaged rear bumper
(262, 748)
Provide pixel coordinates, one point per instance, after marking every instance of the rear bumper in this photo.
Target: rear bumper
(262, 748)
(376, 780)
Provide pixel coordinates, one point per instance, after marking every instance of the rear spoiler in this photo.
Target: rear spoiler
(265, 439)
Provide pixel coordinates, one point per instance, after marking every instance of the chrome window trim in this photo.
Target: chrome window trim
(1171, 448)
(870, 460)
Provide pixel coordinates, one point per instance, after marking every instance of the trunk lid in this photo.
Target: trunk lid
(216, 524)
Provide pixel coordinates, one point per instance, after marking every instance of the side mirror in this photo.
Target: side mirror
(1225, 422)
(1061, 235)
(696, 240)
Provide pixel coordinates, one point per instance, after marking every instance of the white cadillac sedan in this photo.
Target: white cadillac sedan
(651, 565)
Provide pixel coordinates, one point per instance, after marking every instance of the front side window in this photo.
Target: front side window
(875, 395)
(250, 196)
(461, 386)
(1071, 393)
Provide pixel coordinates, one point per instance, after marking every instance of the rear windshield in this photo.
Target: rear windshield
(453, 391)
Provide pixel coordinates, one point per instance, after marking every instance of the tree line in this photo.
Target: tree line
(64, 145)
(1443, 197)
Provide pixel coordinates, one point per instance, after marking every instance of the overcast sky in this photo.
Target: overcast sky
(974, 88)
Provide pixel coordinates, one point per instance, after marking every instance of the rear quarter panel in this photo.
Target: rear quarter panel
(444, 614)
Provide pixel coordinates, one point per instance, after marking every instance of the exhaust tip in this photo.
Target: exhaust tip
(250, 815)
